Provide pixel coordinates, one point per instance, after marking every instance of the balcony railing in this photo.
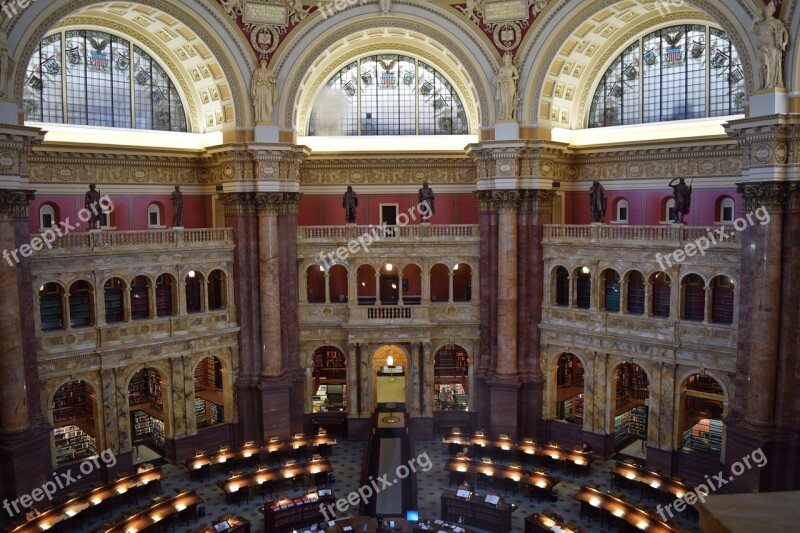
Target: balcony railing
(167, 238)
(336, 233)
(389, 313)
(613, 232)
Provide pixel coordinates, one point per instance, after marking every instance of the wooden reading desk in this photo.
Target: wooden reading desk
(263, 474)
(90, 500)
(618, 508)
(356, 525)
(151, 516)
(626, 474)
(538, 482)
(476, 512)
(550, 521)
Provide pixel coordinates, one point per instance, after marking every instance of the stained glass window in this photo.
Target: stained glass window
(103, 80)
(388, 94)
(680, 72)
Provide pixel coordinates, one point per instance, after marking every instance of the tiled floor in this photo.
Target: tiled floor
(347, 459)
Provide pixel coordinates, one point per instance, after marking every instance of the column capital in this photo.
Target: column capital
(277, 203)
(515, 200)
(14, 204)
(776, 196)
(238, 203)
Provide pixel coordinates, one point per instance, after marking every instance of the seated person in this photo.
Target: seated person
(31, 513)
(585, 448)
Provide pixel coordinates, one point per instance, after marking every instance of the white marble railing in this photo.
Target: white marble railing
(415, 232)
(389, 313)
(162, 238)
(614, 232)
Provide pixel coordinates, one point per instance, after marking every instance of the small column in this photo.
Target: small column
(181, 294)
(203, 296)
(127, 312)
(425, 279)
(327, 286)
(400, 288)
(65, 313)
(450, 286)
(352, 284)
(648, 298)
(378, 299)
(152, 312)
(426, 370)
(352, 380)
(707, 303)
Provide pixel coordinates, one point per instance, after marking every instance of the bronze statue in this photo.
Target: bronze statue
(91, 202)
(425, 196)
(177, 206)
(683, 197)
(597, 201)
(350, 202)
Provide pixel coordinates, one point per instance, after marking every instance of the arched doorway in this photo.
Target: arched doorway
(390, 375)
(209, 392)
(147, 393)
(329, 380)
(569, 389)
(75, 425)
(451, 379)
(702, 407)
(631, 390)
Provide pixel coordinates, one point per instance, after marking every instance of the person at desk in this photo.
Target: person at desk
(585, 448)
(31, 513)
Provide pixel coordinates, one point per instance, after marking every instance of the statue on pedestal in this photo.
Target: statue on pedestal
(682, 194)
(177, 206)
(772, 41)
(350, 202)
(506, 82)
(263, 91)
(425, 196)
(91, 201)
(597, 201)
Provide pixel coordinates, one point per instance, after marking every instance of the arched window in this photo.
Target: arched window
(569, 389)
(80, 304)
(726, 206)
(636, 293)
(622, 210)
(140, 298)
(661, 294)
(722, 293)
(701, 411)
(583, 286)
(562, 287)
(315, 284)
(462, 282)
(612, 290)
(694, 295)
(112, 296)
(103, 80)
(662, 77)
(388, 94)
(165, 284)
(194, 284)
(451, 379)
(669, 211)
(216, 290)
(440, 283)
(153, 216)
(47, 216)
(51, 306)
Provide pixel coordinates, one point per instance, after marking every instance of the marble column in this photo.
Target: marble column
(13, 395)
(427, 373)
(352, 380)
(269, 284)
(508, 204)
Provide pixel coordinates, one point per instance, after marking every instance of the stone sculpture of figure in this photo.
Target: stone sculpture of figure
(506, 82)
(263, 92)
(296, 10)
(177, 206)
(597, 202)
(426, 196)
(772, 41)
(350, 202)
(91, 201)
(386, 6)
(682, 194)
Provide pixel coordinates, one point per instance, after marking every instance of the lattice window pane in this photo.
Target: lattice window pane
(76, 77)
(121, 81)
(42, 90)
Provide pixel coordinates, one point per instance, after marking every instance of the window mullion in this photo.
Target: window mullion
(132, 87)
(358, 97)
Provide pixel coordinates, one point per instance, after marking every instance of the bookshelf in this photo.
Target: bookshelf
(706, 435)
(155, 390)
(638, 422)
(80, 313)
(632, 384)
(571, 409)
(72, 443)
(139, 302)
(147, 429)
(113, 304)
(450, 379)
(621, 427)
(137, 389)
(164, 296)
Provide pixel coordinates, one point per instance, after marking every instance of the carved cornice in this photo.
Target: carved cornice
(368, 169)
(14, 204)
(277, 203)
(238, 204)
(774, 195)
